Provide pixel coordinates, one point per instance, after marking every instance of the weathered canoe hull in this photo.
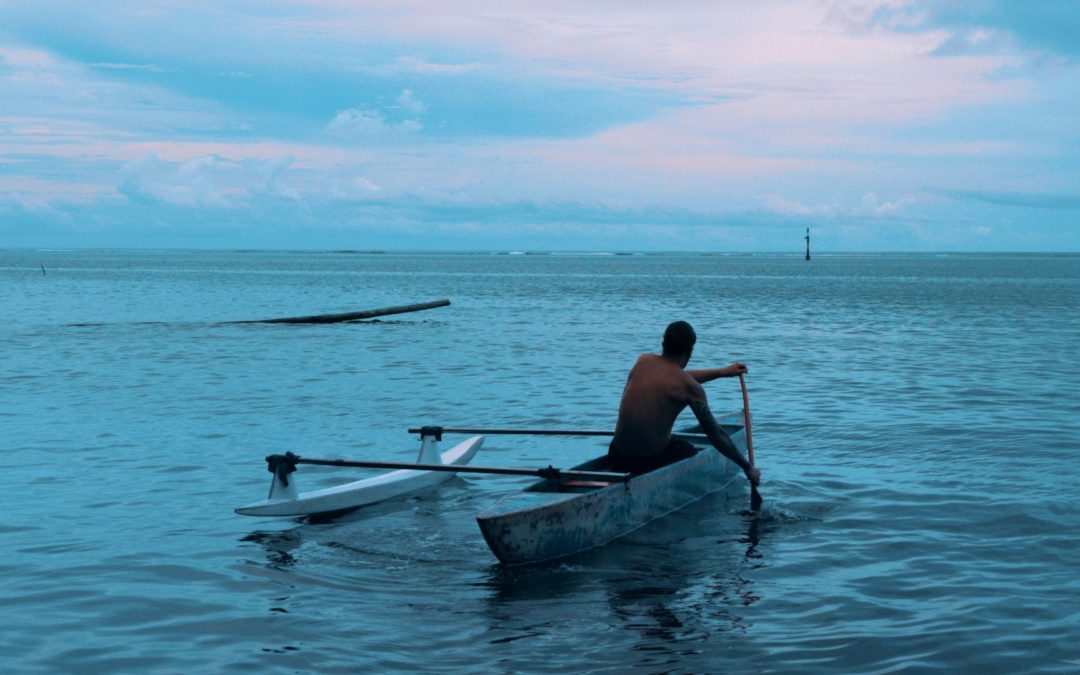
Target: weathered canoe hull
(539, 525)
(364, 492)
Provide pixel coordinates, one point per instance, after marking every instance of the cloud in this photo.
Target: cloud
(416, 65)
(23, 57)
(408, 102)
(410, 221)
(353, 188)
(83, 103)
(1067, 202)
(869, 206)
(128, 66)
(688, 118)
(987, 26)
(365, 124)
(202, 182)
(793, 207)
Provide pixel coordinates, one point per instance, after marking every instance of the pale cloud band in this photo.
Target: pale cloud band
(883, 125)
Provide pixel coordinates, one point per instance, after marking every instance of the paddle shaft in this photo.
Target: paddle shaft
(755, 496)
(517, 432)
(746, 416)
(549, 472)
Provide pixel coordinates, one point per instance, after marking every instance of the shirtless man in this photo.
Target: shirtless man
(658, 389)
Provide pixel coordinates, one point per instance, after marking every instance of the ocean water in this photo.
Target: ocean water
(916, 423)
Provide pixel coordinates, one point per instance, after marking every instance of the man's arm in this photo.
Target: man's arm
(720, 440)
(703, 376)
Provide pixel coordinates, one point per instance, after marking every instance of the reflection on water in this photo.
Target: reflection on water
(676, 594)
(343, 530)
(671, 584)
(279, 546)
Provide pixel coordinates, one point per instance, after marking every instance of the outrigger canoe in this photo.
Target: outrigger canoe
(553, 519)
(286, 500)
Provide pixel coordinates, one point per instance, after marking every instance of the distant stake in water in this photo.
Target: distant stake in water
(43, 269)
(807, 237)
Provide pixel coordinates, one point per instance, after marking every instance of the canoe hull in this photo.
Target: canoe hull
(539, 525)
(367, 491)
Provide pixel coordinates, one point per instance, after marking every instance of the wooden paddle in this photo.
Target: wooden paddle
(755, 496)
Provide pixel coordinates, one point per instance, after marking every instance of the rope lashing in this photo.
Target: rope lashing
(282, 465)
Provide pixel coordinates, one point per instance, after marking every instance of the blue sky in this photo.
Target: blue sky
(882, 125)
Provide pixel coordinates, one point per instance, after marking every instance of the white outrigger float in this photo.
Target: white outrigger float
(431, 469)
(428, 471)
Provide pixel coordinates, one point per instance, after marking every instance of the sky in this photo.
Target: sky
(881, 125)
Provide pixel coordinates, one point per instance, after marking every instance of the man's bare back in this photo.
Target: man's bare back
(658, 388)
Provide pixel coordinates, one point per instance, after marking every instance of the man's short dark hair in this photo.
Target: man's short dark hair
(679, 338)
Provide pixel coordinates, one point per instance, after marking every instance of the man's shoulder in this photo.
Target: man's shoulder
(646, 361)
(694, 391)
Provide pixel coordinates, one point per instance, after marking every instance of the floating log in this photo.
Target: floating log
(353, 316)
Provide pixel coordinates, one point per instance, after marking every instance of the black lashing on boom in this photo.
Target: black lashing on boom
(431, 430)
(281, 466)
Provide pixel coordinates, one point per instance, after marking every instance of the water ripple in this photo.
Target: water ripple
(914, 417)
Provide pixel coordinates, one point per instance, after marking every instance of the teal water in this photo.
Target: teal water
(915, 421)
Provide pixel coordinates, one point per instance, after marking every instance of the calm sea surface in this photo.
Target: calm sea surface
(917, 421)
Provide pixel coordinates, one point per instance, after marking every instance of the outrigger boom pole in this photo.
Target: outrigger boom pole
(288, 462)
(439, 431)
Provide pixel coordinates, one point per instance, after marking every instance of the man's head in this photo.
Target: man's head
(679, 339)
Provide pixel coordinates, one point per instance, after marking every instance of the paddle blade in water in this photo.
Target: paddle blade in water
(755, 499)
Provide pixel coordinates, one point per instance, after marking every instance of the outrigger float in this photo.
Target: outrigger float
(285, 499)
(430, 469)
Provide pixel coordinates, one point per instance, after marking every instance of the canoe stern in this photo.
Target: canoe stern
(536, 526)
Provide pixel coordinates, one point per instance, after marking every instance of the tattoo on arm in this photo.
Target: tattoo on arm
(717, 436)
